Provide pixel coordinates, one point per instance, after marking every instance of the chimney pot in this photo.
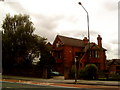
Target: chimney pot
(85, 40)
(99, 39)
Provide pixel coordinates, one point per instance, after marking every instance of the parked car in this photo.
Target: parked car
(54, 73)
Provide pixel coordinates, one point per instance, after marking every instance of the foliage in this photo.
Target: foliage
(19, 42)
(103, 74)
(114, 77)
(90, 71)
(81, 74)
(72, 72)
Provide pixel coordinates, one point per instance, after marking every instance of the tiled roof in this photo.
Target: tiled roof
(78, 43)
(93, 46)
(71, 41)
(108, 62)
(113, 62)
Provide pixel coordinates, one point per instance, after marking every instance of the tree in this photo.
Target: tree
(17, 40)
(19, 43)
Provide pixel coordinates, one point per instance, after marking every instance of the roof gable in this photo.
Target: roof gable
(93, 46)
(57, 39)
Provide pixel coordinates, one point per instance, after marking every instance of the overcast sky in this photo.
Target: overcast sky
(68, 18)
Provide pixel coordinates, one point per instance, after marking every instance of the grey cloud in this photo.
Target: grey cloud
(81, 32)
(110, 51)
(46, 33)
(114, 41)
(17, 7)
(45, 25)
(111, 5)
(108, 47)
(46, 22)
(115, 52)
(71, 19)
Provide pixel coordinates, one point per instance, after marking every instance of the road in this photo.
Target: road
(40, 84)
(23, 86)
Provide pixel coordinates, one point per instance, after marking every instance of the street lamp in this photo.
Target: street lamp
(87, 24)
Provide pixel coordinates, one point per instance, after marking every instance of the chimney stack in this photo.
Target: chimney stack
(85, 40)
(99, 39)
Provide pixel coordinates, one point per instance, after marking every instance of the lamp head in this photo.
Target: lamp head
(79, 3)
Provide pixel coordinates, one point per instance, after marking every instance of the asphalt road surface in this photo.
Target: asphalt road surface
(21, 86)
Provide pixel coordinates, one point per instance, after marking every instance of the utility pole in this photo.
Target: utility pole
(88, 27)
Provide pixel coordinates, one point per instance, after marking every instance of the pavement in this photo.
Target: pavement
(60, 80)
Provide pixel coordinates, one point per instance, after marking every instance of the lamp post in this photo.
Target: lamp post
(87, 24)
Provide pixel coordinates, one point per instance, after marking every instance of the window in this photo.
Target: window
(58, 44)
(94, 54)
(79, 54)
(117, 67)
(59, 54)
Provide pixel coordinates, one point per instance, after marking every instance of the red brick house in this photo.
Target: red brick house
(65, 49)
(113, 66)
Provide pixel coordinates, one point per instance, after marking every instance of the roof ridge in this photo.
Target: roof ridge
(69, 37)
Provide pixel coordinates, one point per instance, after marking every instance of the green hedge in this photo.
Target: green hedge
(89, 72)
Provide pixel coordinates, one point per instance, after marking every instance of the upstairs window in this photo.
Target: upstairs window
(58, 54)
(79, 54)
(94, 54)
(58, 44)
(117, 67)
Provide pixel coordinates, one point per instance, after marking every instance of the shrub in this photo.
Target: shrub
(81, 74)
(90, 71)
(104, 75)
(114, 77)
(72, 72)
